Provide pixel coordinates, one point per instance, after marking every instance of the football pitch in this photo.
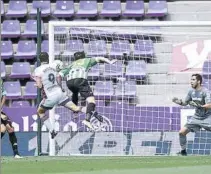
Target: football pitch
(107, 165)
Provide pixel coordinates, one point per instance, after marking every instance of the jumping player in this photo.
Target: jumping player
(6, 125)
(48, 79)
(76, 77)
(200, 98)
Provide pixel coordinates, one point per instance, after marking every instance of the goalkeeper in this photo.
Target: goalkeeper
(76, 77)
(198, 97)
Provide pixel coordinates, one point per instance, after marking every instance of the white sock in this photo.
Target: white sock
(48, 124)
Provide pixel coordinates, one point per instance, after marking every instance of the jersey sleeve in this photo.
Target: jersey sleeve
(65, 71)
(37, 73)
(188, 97)
(207, 97)
(92, 62)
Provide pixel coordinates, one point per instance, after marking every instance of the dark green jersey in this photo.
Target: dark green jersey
(78, 69)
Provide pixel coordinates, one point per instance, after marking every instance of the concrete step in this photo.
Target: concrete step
(180, 78)
(163, 47)
(158, 100)
(157, 68)
(163, 58)
(167, 89)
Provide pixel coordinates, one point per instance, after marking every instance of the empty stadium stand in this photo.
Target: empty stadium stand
(18, 47)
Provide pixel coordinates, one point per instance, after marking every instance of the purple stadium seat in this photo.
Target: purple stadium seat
(30, 91)
(11, 29)
(143, 48)
(96, 48)
(87, 9)
(13, 90)
(104, 90)
(73, 46)
(3, 70)
(130, 89)
(20, 104)
(59, 31)
(30, 29)
(20, 70)
(2, 8)
(136, 69)
(119, 47)
(45, 47)
(6, 49)
(157, 8)
(206, 70)
(126, 89)
(44, 5)
(94, 72)
(26, 49)
(134, 8)
(97, 33)
(114, 70)
(64, 8)
(111, 8)
(79, 32)
(17, 9)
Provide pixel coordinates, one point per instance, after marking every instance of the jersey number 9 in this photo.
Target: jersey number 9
(51, 78)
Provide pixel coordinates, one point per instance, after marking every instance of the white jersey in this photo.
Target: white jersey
(48, 77)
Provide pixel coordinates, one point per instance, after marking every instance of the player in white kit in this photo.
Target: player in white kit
(48, 79)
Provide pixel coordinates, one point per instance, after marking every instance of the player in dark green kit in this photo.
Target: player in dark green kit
(6, 124)
(76, 76)
(200, 98)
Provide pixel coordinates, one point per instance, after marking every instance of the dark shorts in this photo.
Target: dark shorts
(5, 121)
(80, 86)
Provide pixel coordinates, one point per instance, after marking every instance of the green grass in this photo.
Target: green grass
(107, 165)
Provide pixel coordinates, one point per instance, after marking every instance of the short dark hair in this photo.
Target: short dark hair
(79, 55)
(198, 77)
(44, 57)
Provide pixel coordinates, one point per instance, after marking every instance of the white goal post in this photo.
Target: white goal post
(137, 28)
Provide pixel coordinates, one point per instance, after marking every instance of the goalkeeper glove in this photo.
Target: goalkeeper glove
(177, 101)
(195, 104)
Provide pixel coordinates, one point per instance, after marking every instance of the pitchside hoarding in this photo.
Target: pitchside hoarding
(108, 140)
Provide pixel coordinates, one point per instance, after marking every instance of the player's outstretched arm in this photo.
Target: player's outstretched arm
(207, 106)
(179, 101)
(105, 60)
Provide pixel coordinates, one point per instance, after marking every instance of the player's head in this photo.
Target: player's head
(58, 65)
(196, 80)
(79, 55)
(44, 57)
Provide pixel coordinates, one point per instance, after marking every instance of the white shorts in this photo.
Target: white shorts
(58, 97)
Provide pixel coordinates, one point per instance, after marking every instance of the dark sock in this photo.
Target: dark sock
(183, 141)
(13, 141)
(89, 111)
(2, 134)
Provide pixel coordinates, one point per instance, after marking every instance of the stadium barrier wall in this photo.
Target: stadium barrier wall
(160, 142)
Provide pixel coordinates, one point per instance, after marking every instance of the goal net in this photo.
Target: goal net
(134, 95)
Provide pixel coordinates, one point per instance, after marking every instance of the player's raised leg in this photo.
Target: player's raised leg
(82, 86)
